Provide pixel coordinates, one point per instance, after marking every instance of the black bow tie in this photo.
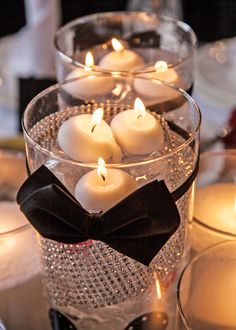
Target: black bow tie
(138, 226)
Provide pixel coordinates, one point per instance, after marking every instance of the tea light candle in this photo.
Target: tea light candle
(102, 188)
(92, 85)
(137, 131)
(85, 137)
(121, 58)
(150, 89)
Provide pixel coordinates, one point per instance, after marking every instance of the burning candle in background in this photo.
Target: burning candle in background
(162, 72)
(94, 85)
(102, 188)
(215, 206)
(137, 131)
(121, 58)
(19, 258)
(10, 219)
(214, 215)
(207, 289)
(85, 137)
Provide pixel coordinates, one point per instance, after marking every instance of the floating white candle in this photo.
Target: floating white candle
(90, 86)
(121, 58)
(102, 188)
(137, 131)
(150, 89)
(86, 137)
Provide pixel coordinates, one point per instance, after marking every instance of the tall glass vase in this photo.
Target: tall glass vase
(90, 281)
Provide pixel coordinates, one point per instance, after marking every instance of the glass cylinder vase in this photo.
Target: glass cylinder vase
(146, 41)
(90, 280)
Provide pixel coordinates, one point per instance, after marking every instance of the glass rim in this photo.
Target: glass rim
(205, 156)
(184, 26)
(112, 165)
(20, 155)
(187, 266)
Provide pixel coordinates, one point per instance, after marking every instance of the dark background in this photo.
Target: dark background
(211, 19)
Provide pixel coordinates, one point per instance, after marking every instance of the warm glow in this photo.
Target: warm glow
(157, 286)
(117, 45)
(102, 172)
(161, 66)
(89, 61)
(235, 205)
(96, 118)
(139, 107)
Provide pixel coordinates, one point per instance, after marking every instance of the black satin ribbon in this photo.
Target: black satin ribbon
(138, 226)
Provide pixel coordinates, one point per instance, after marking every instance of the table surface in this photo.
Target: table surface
(24, 306)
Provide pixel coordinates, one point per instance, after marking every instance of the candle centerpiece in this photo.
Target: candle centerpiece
(140, 40)
(215, 210)
(206, 291)
(115, 227)
(19, 257)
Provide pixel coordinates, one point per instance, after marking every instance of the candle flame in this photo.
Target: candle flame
(139, 107)
(157, 286)
(89, 61)
(117, 45)
(102, 172)
(161, 66)
(96, 118)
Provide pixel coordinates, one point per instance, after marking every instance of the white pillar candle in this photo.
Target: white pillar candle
(18, 250)
(86, 137)
(121, 58)
(214, 207)
(137, 131)
(149, 89)
(91, 85)
(102, 188)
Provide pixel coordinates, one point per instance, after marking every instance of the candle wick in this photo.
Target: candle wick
(93, 128)
(103, 177)
(139, 116)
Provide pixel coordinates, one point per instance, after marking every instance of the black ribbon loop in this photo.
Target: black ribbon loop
(138, 226)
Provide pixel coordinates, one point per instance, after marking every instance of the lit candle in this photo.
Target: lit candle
(86, 137)
(92, 85)
(102, 188)
(214, 207)
(121, 58)
(137, 131)
(155, 90)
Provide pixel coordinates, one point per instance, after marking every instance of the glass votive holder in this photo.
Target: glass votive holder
(215, 208)
(19, 257)
(206, 291)
(102, 287)
(146, 40)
